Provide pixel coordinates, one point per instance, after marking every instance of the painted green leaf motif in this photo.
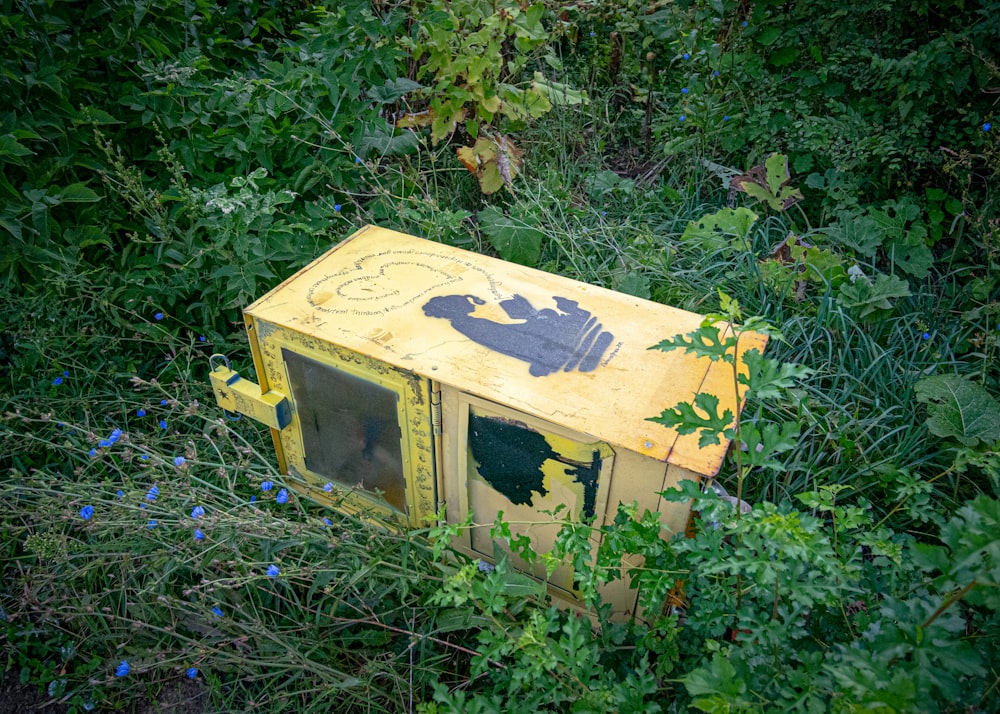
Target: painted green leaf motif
(724, 231)
(959, 408)
(515, 240)
(686, 420)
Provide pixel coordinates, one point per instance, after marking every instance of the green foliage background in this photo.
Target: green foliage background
(828, 167)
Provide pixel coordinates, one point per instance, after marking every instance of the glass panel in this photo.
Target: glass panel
(350, 428)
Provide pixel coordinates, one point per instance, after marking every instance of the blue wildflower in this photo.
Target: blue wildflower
(152, 524)
(685, 90)
(163, 424)
(743, 24)
(926, 335)
(282, 496)
(328, 487)
(198, 534)
(93, 453)
(273, 571)
(687, 55)
(682, 117)
(144, 457)
(357, 159)
(123, 669)
(253, 499)
(163, 402)
(57, 381)
(142, 505)
(485, 567)
(987, 126)
(327, 521)
(179, 461)
(120, 494)
(86, 512)
(192, 673)
(266, 486)
(592, 33)
(202, 338)
(197, 511)
(217, 611)
(158, 316)
(725, 118)
(715, 73)
(337, 207)
(140, 412)
(152, 493)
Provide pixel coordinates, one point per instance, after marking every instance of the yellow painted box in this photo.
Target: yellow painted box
(410, 378)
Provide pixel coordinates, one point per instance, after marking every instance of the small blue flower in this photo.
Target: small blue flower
(282, 496)
(192, 673)
(142, 505)
(715, 73)
(93, 453)
(266, 486)
(682, 117)
(202, 338)
(217, 611)
(179, 461)
(926, 335)
(273, 571)
(198, 534)
(687, 55)
(328, 487)
(120, 494)
(152, 524)
(357, 159)
(987, 126)
(725, 118)
(140, 412)
(158, 316)
(123, 669)
(743, 24)
(86, 512)
(685, 90)
(337, 207)
(197, 511)
(65, 372)
(163, 402)
(144, 457)
(253, 499)
(327, 521)
(485, 567)
(57, 381)
(152, 493)
(163, 424)
(592, 33)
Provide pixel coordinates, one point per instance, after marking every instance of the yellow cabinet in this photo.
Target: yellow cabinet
(406, 378)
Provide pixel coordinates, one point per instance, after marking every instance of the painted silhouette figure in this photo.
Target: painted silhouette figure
(549, 340)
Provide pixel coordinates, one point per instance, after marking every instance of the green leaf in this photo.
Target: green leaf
(724, 231)
(78, 193)
(863, 298)
(959, 408)
(703, 342)
(860, 233)
(686, 420)
(516, 241)
(393, 90)
(9, 146)
(769, 379)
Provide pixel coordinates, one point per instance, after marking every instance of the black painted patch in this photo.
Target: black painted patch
(566, 338)
(510, 459)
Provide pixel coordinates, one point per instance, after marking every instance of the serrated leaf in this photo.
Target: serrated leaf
(769, 379)
(706, 341)
(863, 298)
(959, 408)
(767, 182)
(10, 146)
(686, 420)
(763, 444)
(381, 140)
(860, 233)
(515, 241)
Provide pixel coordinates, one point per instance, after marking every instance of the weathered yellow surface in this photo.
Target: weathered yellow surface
(571, 354)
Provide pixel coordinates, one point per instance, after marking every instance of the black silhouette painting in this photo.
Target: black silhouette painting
(510, 459)
(549, 340)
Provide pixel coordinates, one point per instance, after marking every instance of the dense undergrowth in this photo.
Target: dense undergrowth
(828, 167)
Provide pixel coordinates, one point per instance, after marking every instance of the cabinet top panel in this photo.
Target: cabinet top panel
(564, 351)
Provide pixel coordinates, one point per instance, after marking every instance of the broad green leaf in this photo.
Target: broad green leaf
(78, 193)
(10, 146)
(723, 231)
(863, 298)
(515, 240)
(769, 379)
(393, 90)
(857, 232)
(959, 408)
